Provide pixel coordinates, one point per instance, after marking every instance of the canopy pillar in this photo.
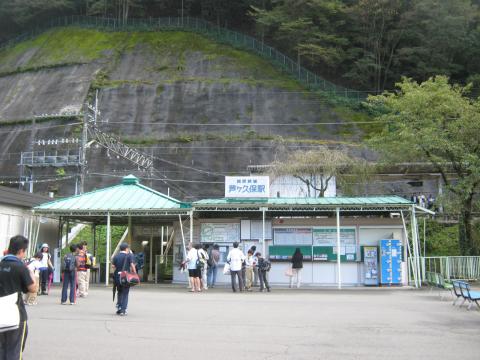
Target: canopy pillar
(339, 266)
(107, 252)
(264, 253)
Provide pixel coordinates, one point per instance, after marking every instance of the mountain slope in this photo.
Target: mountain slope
(181, 97)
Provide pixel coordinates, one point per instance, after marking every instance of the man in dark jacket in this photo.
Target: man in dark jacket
(15, 278)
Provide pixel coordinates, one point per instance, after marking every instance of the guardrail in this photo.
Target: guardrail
(219, 34)
(452, 267)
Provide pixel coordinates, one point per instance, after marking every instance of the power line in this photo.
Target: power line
(251, 124)
(35, 128)
(158, 179)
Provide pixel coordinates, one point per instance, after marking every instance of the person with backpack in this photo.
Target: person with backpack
(69, 271)
(236, 259)
(15, 279)
(213, 260)
(297, 266)
(194, 267)
(263, 268)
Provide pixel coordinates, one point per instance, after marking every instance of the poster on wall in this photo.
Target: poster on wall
(292, 236)
(327, 236)
(220, 233)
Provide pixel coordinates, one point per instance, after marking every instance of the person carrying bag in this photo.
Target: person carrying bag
(124, 278)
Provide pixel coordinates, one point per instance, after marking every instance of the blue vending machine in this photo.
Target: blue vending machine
(390, 262)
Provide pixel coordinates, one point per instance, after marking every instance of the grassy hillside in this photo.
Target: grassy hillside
(69, 46)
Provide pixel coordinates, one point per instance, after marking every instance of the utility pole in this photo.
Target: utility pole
(34, 132)
(83, 154)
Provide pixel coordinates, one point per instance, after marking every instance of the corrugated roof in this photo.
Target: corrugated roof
(130, 195)
(10, 196)
(322, 201)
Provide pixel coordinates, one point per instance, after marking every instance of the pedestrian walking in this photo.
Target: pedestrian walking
(194, 268)
(15, 279)
(236, 258)
(34, 266)
(46, 268)
(69, 272)
(263, 268)
(214, 259)
(82, 274)
(297, 266)
(203, 252)
(123, 261)
(249, 271)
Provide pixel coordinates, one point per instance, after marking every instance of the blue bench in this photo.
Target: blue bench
(463, 288)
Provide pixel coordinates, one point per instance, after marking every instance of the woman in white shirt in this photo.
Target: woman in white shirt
(194, 270)
(236, 258)
(45, 268)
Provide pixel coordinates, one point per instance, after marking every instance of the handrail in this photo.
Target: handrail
(220, 34)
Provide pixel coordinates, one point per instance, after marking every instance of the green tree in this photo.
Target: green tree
(434, 121)
(318, 168)
(436, 35)
(377, 31)
(311, 28)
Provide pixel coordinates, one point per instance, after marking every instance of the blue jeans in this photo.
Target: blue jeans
(69, 278)
(123, 298)
(211, 275)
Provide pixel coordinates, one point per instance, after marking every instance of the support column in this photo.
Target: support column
(339, 266)
(264, 249)
(183, 237)
(94, 229)
(130, 232)
(409, 256)
(415, 247)
(191, 225)
(107, 252)
(150, 268)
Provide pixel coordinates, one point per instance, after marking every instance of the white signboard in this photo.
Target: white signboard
(247, 186)
(327, 236)
(220, 233)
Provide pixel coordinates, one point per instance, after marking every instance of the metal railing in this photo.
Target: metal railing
(52, 158)
(452, 267)
(219, 34)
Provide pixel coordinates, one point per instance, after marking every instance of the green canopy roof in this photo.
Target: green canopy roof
(377, 200)
(360, 205)
(129, 197)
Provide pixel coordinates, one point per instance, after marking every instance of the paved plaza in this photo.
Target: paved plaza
(167, 322)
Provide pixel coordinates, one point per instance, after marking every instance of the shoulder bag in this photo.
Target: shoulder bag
(9, 313)
(128, 278)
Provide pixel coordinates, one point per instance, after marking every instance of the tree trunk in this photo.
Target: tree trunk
(466, 239)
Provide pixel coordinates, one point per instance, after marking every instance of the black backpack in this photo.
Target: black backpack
(69, 262)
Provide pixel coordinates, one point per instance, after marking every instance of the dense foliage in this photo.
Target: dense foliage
(434, 122)
(366, 44)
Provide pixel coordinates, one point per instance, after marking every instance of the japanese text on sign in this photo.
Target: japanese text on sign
(247, 186)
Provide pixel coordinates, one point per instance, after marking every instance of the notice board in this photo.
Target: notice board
(276, 252)
(327, 236)
(292, 236)
(220, 232)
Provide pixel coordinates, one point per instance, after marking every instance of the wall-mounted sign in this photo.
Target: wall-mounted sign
(247, 186)
(220, 233)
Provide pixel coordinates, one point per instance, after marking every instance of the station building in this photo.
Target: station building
(333, 233)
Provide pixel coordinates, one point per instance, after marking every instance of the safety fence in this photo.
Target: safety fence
(452, 267)
(306, 77)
